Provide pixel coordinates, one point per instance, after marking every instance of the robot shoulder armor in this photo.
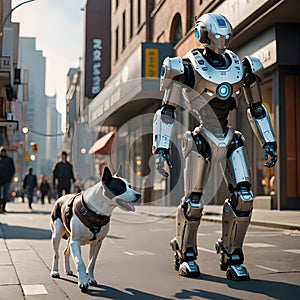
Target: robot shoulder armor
(255, 64)
(172, 67)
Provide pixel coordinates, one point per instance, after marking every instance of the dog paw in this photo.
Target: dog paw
(54, 274)
(93, 282)
(69, 273)
(83, 286)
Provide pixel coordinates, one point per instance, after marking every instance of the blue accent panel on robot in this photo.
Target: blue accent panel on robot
(224, 91)
(197, 34)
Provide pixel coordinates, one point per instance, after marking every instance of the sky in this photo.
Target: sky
(58, 28)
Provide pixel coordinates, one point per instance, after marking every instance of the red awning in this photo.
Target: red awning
(103, 145)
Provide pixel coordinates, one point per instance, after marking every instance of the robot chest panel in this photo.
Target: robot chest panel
(212, 82)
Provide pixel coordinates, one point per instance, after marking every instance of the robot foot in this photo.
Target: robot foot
(189, 269)
(237, 273)
(234, 271)
(186, 268)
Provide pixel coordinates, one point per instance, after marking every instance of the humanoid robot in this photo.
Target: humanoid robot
(215, 76)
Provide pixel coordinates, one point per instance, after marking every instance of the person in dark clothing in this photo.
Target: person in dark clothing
(29, 186)
(63, 174)
(44, 189)
(7, 171)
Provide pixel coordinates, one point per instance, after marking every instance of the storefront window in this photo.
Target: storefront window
(265, 177)
(292, 98)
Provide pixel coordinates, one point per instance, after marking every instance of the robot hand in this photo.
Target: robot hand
(270, 150)
(162, 156)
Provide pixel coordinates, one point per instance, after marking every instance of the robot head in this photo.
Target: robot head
(214, 31)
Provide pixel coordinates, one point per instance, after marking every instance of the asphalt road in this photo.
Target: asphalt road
(136, 262)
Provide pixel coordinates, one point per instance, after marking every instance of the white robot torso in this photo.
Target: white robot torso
(211, 82)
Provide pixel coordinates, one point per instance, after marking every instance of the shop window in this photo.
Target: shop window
(265, 177)
(292, 98)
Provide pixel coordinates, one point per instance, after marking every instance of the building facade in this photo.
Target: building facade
(44, 131)
(143, 33)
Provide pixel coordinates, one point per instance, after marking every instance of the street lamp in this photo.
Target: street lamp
(9, 13)
(25, 130)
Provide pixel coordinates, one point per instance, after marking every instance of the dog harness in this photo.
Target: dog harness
(89, 218)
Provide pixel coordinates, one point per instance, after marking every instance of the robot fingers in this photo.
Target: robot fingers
(163, 156)
(270, 155)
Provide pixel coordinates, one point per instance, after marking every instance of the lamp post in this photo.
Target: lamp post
(9, 13)
(25, 130)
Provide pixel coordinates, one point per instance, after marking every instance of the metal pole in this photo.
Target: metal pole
(8, 15)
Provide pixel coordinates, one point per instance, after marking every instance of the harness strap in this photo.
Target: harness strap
(89, 218)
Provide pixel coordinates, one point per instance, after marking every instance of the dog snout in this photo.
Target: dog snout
(137, 196)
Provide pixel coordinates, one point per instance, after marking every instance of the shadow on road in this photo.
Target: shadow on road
(273, 289)
(23, 232)
(29, 212)
(129, 294)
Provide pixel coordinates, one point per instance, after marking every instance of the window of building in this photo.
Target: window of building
(117, 43)
(131, 18)
(139, 12)
(117, 4)
(189, 14)
(124, 30)
(176, 29)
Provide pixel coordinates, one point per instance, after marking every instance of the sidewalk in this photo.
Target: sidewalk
(287, 219)
(17, 252)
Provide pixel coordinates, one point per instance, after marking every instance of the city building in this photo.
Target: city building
(45, 132)
(9, 75)
(143, 33)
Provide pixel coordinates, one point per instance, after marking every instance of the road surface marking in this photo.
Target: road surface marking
(266, 268)
(296, 251)
(258, 245)
(206, 250)
(138, 253)
(36, 289)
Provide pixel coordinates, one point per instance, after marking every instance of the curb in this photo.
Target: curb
(215, 217)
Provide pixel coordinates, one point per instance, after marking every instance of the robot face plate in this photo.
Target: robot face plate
(214, 31)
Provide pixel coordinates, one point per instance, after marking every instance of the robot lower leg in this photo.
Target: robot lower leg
(236, 218)
(188, 218)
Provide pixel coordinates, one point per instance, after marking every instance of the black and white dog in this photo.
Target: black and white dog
(84, 219)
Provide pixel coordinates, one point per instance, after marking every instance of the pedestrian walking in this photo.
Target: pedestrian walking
(7, 171)
(29, 186)
(63, 174)
(44, 188)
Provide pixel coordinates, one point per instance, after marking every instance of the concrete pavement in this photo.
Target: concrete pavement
(21, 264)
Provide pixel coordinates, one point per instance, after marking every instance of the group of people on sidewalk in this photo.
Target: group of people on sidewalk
(63, 176)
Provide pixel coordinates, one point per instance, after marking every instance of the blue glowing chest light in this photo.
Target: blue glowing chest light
(224, 91)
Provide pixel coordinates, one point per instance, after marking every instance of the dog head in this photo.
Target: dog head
(119, 191)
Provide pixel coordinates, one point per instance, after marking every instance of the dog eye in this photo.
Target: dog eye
(129, 185)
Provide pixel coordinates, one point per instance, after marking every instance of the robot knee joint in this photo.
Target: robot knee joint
(193, 207)
(242, 198)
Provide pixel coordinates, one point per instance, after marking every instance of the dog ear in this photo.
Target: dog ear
(120, 171)
(106, 175)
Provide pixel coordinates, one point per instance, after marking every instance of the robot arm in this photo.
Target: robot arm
(257, 114)
(174, 72)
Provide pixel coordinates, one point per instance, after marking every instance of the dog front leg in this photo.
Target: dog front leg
(94, 250)
(57, 228)
(83, 282)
